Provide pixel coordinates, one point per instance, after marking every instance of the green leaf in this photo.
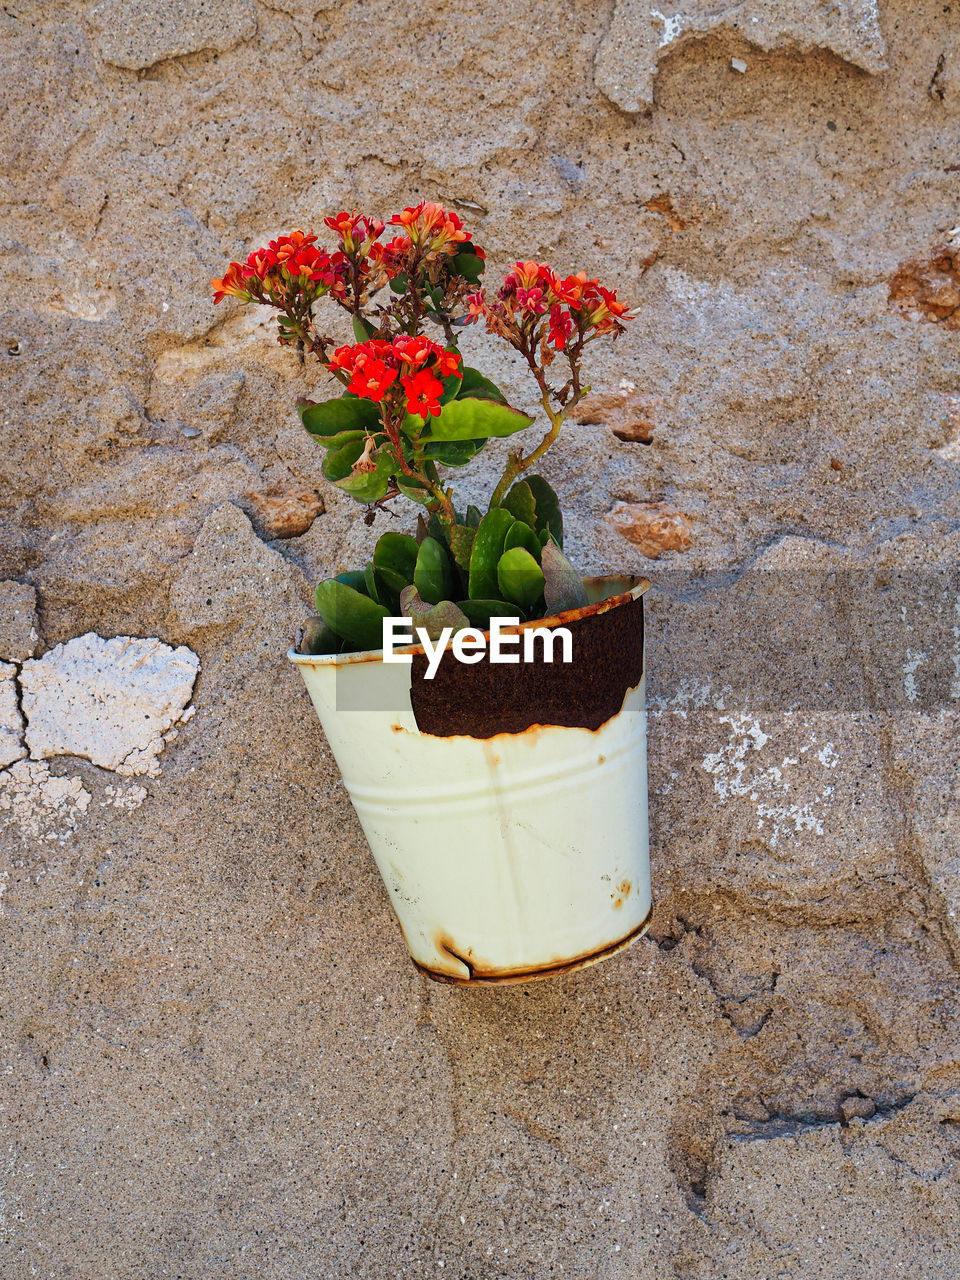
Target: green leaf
(431, 617)
(363, 329)
(473, 517)
(413, 489)
(520, 577)
(475, 384)
(563, 586)
(370, 582)
(548, 508)
(461, 544)
(481, 611)
(352, 615)
(395, 555)
(453, 453)
(521, 535)
(333, 443)
(486, 552)
(399, 283)
(468, 265)
(365, 486)
(433, 576)
(355, 578)
(472, 419)
(520, 502)
(347, 413)
(317, 637)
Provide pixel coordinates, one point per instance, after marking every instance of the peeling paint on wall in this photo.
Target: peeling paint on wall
(42, 805)
(115, 702)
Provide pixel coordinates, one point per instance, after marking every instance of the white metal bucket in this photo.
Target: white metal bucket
(507, 857)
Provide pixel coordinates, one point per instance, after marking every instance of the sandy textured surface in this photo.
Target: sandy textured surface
(216, 1059)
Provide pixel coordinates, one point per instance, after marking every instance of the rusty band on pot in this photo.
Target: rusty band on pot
(484, 699)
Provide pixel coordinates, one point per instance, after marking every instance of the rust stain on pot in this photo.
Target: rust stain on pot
(621, 893)
(487, 699)
(481, 973)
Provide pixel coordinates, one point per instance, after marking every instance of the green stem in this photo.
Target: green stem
(517, 463)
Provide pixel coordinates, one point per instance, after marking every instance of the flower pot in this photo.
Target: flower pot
(505, 805)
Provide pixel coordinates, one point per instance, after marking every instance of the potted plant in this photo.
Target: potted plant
(497, 766)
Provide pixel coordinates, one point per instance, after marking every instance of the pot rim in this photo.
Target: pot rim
(638, 585)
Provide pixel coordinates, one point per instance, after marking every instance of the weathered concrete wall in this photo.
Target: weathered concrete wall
(217, 1061)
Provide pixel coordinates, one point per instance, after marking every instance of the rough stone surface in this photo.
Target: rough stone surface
(654, 527)
(279, 513)
(18, 621)
(628, 414)
(115, 702)
(11, 717)
(641, 35)
(930, 288)
(136, 34)
(216, 1059)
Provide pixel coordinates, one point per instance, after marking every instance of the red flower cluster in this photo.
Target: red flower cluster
(576, 305)
(413, 367)
(294, 263)
(433, 229)
(292, 260)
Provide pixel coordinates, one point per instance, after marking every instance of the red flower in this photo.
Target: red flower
(532, 301)
(260, 264)
(391, 257)
(285, 247)
(376, 365)
(476, 306)
(415, 351)
(571, 289)
(423, 391)
(371, 380)
(232, 283)
(561, 326)
(354, 228)
(448, 363)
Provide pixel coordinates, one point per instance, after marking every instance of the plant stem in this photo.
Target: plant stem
(517, 463)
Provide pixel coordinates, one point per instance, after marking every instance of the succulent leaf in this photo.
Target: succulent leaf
(520, 577)
(317, 637)
(475, 384)
(347, 413)
(521, 535)
(354, 616)
(521, 503)
(485, 554)
(563, 587)
(481, 611)
(432, 617)
(433, 574)
(548, 508)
